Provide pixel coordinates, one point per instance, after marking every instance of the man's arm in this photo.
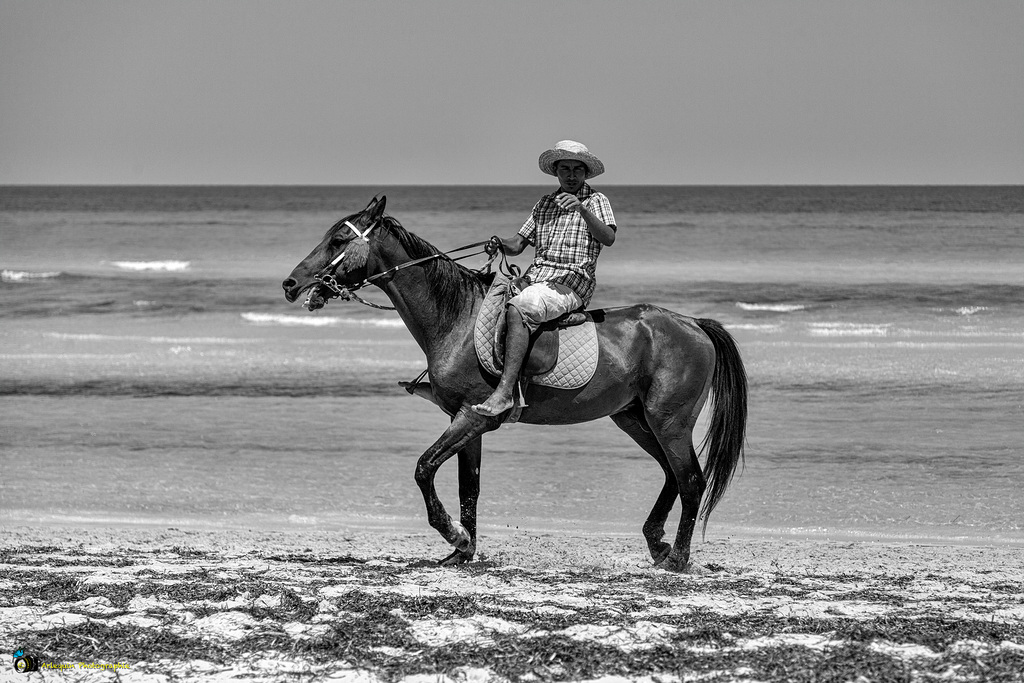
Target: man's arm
(512, 246)
(598, 230)
(601, 232)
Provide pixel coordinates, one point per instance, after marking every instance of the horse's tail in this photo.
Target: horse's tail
(726, 434)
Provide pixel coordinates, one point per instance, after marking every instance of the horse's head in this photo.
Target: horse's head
(340, 258)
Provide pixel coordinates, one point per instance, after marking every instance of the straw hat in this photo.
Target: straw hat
(569, 149)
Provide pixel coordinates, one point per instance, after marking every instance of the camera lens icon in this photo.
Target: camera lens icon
(24, 664)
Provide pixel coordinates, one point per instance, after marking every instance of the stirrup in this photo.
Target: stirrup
(518, 402)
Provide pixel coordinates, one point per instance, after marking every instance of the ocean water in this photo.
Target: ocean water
(152, 373)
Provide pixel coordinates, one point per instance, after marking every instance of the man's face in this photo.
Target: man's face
(571, 175)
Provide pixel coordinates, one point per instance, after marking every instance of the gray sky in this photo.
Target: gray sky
(346, 92)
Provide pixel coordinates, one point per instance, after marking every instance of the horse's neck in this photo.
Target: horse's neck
(409, 295)
(410, 291)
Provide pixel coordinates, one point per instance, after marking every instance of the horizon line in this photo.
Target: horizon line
(371, 185)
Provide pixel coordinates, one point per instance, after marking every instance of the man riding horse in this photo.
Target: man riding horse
(655, 372)
(568, 228)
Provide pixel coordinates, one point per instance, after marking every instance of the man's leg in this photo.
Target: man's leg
(517, 340)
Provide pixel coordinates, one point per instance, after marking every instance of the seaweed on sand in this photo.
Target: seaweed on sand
(94, 641)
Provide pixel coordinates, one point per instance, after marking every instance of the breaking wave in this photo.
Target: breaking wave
(843, 329)
(317, 321)
(971, 310)
(26, 276)
(142, 338)
(153, 266)
(774, 308)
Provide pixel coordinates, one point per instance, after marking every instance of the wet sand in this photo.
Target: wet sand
(159, 604)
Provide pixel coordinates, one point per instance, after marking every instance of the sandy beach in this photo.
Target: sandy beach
(160, 604)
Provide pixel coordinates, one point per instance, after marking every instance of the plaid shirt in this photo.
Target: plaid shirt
(566, 251)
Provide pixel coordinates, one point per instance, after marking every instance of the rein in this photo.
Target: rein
(326, 277)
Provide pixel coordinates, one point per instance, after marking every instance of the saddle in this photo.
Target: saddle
(562, 353)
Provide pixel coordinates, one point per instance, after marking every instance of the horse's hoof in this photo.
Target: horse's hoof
(463, 540)
(659, 552)
(456, 558)
(673, 563)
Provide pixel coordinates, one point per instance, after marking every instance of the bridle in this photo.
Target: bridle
(326, 280)
(326, 277)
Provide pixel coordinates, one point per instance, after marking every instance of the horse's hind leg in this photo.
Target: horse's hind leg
(674, 432)
(633, 423)
(469, 493)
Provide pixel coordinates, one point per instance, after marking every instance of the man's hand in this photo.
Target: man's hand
(598, 230)
(510, 246)
(494, 245)
(568, 202)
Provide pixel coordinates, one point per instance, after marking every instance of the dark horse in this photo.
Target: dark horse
(654, 374)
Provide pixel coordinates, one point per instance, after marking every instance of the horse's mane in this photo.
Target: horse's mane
(452, 286)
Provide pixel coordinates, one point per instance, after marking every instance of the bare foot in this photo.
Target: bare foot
(495, 405)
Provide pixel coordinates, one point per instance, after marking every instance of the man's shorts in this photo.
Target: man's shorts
(544, 301)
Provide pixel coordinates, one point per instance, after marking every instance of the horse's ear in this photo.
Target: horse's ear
(375, 209)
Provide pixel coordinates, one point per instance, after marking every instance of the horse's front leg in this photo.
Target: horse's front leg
(466, 428)
(469, 493)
